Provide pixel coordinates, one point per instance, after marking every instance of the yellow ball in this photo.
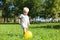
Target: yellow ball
(28, 34)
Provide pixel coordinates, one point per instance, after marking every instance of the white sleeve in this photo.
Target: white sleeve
(20, 16)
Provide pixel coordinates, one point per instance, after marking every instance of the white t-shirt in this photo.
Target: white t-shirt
(24, 20)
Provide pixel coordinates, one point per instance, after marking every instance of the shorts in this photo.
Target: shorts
(24, 26)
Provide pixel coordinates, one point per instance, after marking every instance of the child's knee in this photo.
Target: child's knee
(24, 28)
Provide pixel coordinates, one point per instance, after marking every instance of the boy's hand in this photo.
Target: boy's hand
(29, 24)
(19, 23)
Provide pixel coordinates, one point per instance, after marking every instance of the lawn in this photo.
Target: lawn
(42, 31)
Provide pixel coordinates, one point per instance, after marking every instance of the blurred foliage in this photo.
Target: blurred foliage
(42, 8)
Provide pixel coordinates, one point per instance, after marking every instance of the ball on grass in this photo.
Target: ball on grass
(28, 34)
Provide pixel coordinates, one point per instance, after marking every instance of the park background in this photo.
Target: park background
(44, 17)
(39, 9)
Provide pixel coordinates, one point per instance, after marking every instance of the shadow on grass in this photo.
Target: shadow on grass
(12, 35)
(15, 35)
(48, 26)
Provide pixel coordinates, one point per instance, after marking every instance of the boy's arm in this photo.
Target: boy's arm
(29, 23)
(19, 20)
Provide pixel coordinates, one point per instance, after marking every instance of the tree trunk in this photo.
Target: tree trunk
(14, 19)
(4, 19)
(7, 19)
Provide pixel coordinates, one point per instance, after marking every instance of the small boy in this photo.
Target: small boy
(24, 19)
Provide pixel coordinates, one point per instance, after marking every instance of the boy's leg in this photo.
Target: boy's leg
(24, 30)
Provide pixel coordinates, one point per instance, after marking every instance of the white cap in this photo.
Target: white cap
(26, 9)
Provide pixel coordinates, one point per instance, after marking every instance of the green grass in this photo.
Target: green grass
(44, 31)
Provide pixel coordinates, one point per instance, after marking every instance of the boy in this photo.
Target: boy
(24, 19)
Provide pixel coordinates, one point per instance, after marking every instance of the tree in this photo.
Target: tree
(6, 12)
(47, 8)
(56, 8)
(34, 6)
